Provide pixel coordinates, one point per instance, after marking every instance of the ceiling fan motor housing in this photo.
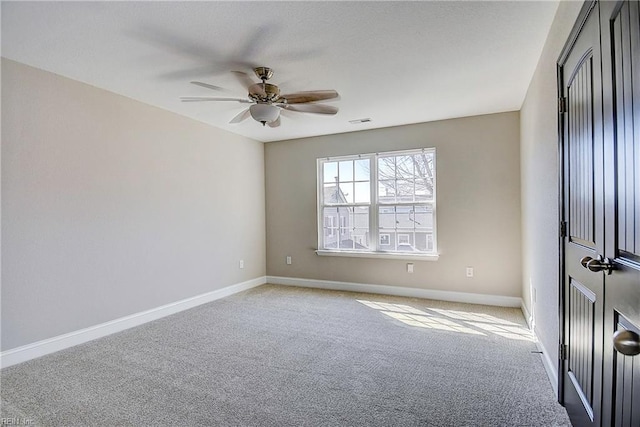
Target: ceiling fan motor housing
(264, 92)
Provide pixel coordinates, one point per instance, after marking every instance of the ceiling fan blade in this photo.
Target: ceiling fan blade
(309, 96)
(312, 108)
(212, 98)
(240, 117)
(249, 84)
(288, 114)
(244, 79)
(275, 123)
(207, 85)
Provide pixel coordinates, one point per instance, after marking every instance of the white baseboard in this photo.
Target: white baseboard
(527, 315)
(549, 365)
(61, 342)
(496, 300)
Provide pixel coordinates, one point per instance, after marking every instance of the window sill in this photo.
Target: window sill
(380, 255)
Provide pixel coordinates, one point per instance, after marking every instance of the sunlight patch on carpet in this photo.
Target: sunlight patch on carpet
(452, 320)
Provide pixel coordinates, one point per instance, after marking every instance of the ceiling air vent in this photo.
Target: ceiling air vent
(358, 121)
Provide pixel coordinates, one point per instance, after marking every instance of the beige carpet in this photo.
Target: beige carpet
(285, 356)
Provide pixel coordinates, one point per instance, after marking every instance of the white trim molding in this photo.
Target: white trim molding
(61, 342)
(527, 316)
(548, 364)
(496, 300)
(380, 255)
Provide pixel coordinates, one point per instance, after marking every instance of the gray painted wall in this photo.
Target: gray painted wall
(478, 206)
(539, 169)
(111, 207)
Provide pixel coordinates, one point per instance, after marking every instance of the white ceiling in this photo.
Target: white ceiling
(394, 62)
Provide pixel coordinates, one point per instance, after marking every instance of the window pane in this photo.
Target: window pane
(330, 228)
(362, 192)
(362, 170)
(387, 191)
(424, 190)
(330, 171)
(404, 216)
(424, 217)
(404, 167)
(332, 194)
(387, 218)
(405, 190)
(386, 168)
(361, 217)
(424, 176)
(344, 215)
(360, 232)
(424, 164)
(421, 241)
(346, 171)
(404, 239)
(346, 192)
(354, 228)
(409, 228)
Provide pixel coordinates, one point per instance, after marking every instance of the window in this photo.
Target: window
(381, 203)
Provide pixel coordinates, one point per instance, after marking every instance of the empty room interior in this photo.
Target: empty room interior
(320, 213)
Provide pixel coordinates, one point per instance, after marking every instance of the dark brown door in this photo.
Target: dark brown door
(621, 43)
(583, 213)
(599, 79)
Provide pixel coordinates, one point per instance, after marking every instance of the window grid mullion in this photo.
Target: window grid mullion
(373, 214)
(320, 203)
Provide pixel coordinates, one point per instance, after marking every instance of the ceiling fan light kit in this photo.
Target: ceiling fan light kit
(267, 100)
(264, 113)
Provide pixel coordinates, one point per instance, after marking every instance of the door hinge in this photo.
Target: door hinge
(562, 351)
(562, 104)
(563, 228)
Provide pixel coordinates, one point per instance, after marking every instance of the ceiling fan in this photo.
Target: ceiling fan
(266, 100)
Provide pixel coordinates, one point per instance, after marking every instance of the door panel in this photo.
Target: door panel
(627, 387)
(627, 129)
(580, 358)
(581, 200)
(621, 42)
(583, 291)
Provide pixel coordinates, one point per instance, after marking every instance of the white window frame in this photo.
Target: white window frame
(374, 235)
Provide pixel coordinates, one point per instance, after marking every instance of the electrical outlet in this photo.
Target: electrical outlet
(410, 267)
(469, 271)
(288, 260)
(241, 263)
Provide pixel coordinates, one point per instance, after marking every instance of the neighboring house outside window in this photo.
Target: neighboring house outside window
(381, 203)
